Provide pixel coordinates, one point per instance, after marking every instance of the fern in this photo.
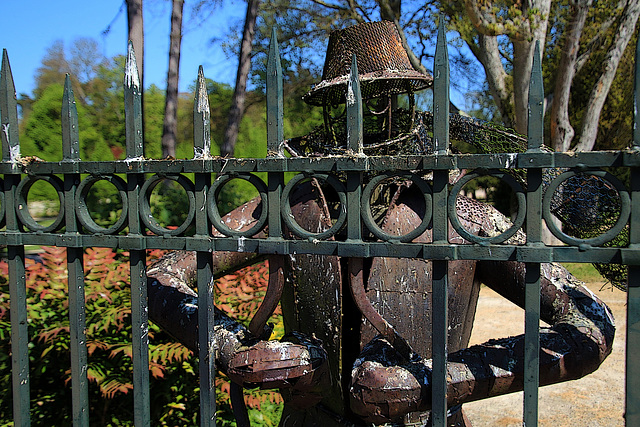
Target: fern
(173, 368)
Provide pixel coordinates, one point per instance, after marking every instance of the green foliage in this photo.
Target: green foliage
(169, 204)
(153, 120)
(43, 129)
(106, 101)
(100, 102)
(173, 368)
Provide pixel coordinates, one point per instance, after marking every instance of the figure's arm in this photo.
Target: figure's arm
(582, 327)
(239, 353)
(579, 339)
(173, 304)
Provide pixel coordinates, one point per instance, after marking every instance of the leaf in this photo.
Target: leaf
(156, 370)
(93, 345)
(112, 387)
(48, 335)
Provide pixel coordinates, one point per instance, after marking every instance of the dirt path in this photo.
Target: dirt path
(595, 400)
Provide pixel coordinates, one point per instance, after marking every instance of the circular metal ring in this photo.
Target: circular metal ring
(145, 208)
(82, 211)
(625, 208)
(367, 217)
(22, 210)
(287, 215)
(214, 213)
(505, 235)
(4, 206)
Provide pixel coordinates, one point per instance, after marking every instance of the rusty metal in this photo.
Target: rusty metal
(257, 328)
(384, 66)
(580, 338)
(370, 313)
(272, 296)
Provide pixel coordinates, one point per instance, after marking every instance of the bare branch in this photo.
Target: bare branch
(351, 11)
(482, 19)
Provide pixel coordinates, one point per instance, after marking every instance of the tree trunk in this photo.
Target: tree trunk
(487, 52)
(170, 125)
(523, 34)
(561, 130)
(136, 34)
(610, 66)
(523, 48)
(239, 94)
(522, 63)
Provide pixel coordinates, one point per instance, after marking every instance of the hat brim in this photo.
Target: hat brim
(372, 85)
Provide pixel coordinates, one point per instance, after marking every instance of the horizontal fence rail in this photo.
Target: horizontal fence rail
(353, 177)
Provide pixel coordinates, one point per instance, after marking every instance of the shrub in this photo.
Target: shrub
(173, 368)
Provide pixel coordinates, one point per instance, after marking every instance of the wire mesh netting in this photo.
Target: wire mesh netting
(586, 205)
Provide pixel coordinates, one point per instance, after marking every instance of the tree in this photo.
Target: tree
(81, 63)
(43, 126)
(561, 130)
(136, 34)
(624, 31)
(501, 36)
(244, 65)
(493, 28)
(170, 124)
(496, 28)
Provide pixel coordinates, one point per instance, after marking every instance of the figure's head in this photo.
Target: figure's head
(384, 71)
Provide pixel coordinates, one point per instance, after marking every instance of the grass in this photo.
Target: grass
(584, 271)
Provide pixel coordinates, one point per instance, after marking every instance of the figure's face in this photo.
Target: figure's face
(385, 118)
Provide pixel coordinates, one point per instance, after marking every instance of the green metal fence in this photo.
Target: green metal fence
(143, 232)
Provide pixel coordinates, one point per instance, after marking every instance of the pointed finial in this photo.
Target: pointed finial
(354, 110)
(535, 127)
(131, 73)
(133, 107)
(8, 112)
(70, 133)
(275, 132)
(441, 94)
(274, 50)
(201, 119)
(202, 100)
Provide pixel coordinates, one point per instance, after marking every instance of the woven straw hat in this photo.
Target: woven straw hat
(383, 64)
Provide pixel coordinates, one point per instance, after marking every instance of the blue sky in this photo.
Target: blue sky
(30, 27)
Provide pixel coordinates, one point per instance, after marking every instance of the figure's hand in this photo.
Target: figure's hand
(383, 391)
(297, 363)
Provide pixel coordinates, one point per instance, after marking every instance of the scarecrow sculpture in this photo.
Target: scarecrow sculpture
(333, 367)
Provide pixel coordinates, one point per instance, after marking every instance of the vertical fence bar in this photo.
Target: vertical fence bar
(137, 255)
(15, 249)
(206, 352)
(440, 229)
(275, 135)
(355, 145)
(275, 102)
(632, 378)
(77, 315)
(534, 238)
